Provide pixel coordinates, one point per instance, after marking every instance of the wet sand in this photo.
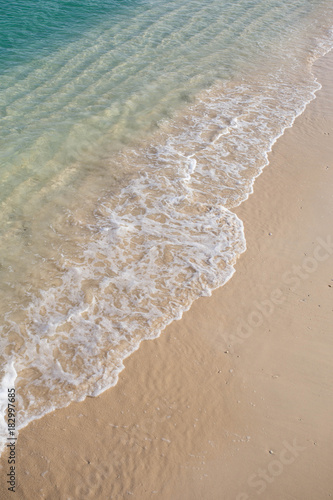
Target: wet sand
(234, 401)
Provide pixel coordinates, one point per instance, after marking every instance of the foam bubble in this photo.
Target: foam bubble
(7, 382)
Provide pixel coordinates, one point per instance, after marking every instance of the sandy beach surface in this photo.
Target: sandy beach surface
(234, 401)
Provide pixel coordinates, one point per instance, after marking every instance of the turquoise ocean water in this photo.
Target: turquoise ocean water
(128, 132)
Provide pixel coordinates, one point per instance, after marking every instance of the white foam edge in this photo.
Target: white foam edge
(7, 383)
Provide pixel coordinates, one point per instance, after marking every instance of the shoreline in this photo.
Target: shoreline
(91, 295)
(214, 399)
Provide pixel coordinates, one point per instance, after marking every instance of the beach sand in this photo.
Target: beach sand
(234, 401)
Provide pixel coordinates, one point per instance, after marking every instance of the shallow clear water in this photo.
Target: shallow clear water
(128, 131)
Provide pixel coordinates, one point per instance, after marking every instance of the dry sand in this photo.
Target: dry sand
(229, 403)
